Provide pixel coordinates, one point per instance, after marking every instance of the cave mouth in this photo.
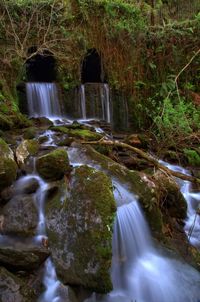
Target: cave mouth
(40, 67)
(92, 71)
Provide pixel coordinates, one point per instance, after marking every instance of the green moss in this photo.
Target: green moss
(54, 165)
(30, 133)
(8, 172)
(193, 157)
(32, 146)
(83, 134)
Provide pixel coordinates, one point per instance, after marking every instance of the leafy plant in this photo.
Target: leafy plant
(176, 120)
(192, 156)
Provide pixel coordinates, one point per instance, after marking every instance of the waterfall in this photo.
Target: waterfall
(105, 103)
(43, 100)
(104, 111)
(192, 223)
(139, 272)
(83, 102)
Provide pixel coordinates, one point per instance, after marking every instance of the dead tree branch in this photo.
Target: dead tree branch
(147, 157)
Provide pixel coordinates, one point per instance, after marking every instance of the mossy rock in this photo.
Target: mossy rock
(20, 216)
(26, 149)
(13, 288)
(54, 165)
(170, 197)
(8, 166)
(136, 182)
(30, 133)
(80, 230)
(5, 122)
(83, 134)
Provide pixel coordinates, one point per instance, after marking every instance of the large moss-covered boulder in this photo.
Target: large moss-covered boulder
(19, 216)
(136, 182)
(54, 165)
(14, 289)
(8, 166)
(80, 230)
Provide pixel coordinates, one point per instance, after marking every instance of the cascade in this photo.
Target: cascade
(82, 103)
(105, 110)
(51, 282)
(192, 223)
(139, 273)
(105, 103)
(43, 100)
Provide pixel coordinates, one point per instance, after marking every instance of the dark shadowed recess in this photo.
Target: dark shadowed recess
(40, 67)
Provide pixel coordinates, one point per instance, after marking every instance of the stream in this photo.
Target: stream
(139, 272)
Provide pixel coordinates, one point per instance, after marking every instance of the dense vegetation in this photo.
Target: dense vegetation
(150, 51)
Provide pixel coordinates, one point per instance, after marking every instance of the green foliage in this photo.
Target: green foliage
(192, 156)
(176, 120)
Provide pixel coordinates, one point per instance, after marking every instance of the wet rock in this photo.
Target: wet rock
(170, 196)
(25, 150)
(30, 133)
(135, 181)
(20, 187)
(8, 166)
(22, 256)
(53, 165)
(80, 230)
(66, 294)
(83, 134)
(19, 216)
(41, 121)
(12, 289)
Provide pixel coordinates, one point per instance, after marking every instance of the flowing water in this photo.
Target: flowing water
(192, 223)
(105, 107)
(43, 100)
(83, 102)
(139, 273)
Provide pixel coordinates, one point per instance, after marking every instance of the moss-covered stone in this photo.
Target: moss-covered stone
(19, 216)
(8, 166)
(54, 165)
(80, 230)
(13, 288)
(136, 182)
(83, 134)
(170, 197)
(30, 133)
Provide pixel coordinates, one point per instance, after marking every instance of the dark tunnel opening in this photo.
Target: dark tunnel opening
(92, 71)
(40, 67)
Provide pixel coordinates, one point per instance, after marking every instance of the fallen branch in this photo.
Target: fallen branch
(146, 156)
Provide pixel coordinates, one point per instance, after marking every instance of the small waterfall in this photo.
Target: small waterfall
(99, 108)
(83, 102)
(105, 103)
(192, 223)
(51, 282)
(138, 272)
(43, 100)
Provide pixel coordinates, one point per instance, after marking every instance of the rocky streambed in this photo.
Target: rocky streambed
(57, 200)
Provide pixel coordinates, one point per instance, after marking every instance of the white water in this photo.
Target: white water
(43, 100)
(83, 102)
(192, 223)
(105, 103)
(139, 273)
(51, 282)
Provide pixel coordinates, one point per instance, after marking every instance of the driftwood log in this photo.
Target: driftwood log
(146, 156)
